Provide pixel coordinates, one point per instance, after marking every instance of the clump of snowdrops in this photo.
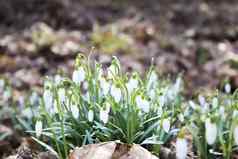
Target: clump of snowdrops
(213, 123)
(100, 104)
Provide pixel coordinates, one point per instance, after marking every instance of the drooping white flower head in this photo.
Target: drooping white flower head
(48, 99)
(116, 93)
(104, 113)
(105, 86)
(104, 116)
(166, 125)
(54, 109)
(90, 115)
(113, 69)
(75, 111)
(132, 84)
(228, 88)
(152, 80)
(211, 131)
(61, 95)
(57, 79)
(2, 84)
(215, 102)
(79, 75)
(181, 148)
(38, 128)
(192, 105)
(111, 72)
(162, 100)
(142, 103)
(235, 134)
(177, 85)
(202, 100)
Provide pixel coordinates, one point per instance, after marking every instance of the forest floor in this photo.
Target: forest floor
(196, 38)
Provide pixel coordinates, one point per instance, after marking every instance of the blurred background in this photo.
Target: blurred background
(198, 38)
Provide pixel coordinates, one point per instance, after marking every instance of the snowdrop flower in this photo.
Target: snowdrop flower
(57, 79)
(116, 93)
(181, 117)
(142, 103)
(166, 125)
(75, 111)
(162, 100)
(152, 79)
(236, 135)
(181, 148)
(2, 84)
(54, 109)
(112, 71)
(211, 131)
(104, 116)
(192, 104)
(21, 101)
(79, 75)
(34, 98)
(215, 102)
(62, 96)
(132, 84)
(202, 100)
(90, 115)
(38, 128)
(85, 85)
(48, 99)
(177, 85)
(105, 86)
(228, 88)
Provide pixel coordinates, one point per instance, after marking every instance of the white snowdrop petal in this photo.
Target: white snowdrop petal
(192, 104)
(116, 93)
(48, 99)
(181, 148)
(2, 84)
(104, 116)
(211, 131)
(112, 71)
(131, 85)
(61, 94)
(75, 111)
(105, 86)
(215, 102)
(79, 75)
(90, 115)
(38, 128)
(143, 104)
(228, 88)
(166, 125)
(57, 79)
(202, 100)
